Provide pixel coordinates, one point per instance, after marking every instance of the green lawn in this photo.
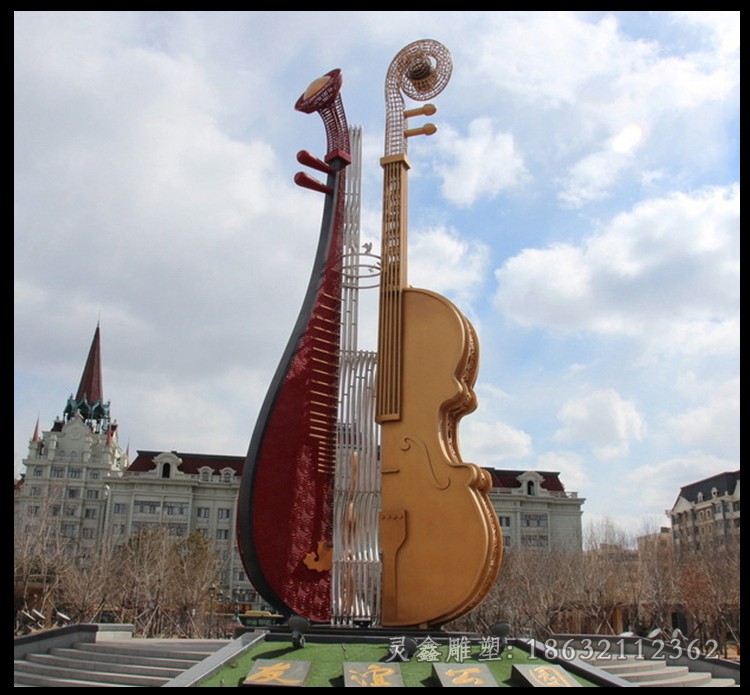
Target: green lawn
(327, 664)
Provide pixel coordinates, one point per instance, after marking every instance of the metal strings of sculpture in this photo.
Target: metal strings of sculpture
(356, 572)
(355, 505)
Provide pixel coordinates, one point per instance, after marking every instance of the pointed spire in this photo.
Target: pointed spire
(35, 436)
(91, 380)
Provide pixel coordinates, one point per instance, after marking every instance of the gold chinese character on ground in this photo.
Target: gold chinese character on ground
(372, 675)
(270, 672)
(465, 676)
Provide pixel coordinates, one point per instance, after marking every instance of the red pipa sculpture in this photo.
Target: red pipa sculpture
(284, 517)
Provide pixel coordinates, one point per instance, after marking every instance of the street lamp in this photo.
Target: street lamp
(211, 592)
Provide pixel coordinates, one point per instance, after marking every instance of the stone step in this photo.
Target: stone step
(78, 661)
(655, 672)
(118, 658)
(691, 679)
(33, 680)
(623, 667)
(162, 649)
(115, 663)
(65, 673)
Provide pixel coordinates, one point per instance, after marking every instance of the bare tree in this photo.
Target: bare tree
(657, 579)
(86, 585)
(43, 553)
(162, 582)
(195, 568)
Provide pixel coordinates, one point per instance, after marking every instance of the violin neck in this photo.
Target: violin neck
(392, 283)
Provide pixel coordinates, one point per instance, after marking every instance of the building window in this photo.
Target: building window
(205, 475)
(87, 533)
(89, 513)
(74, 472)
(504, 520)
(534, 520)
(174, 509)
(222, 534)
(72, 493)
(227, 476)
(38, 471)
(57, 472)
(224, 513)
(71, 511)
(33, 510)
(92, 494)
(146, 507)
(203, 512)
(36, 492)
(68, 530)
(166, 470)
(120, 508)
(94, 475)
(55, 510)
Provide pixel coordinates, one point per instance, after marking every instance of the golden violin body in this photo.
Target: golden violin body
(440, 537)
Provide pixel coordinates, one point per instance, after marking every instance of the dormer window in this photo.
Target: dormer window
(530, 483)
(166, 470)
(205, 475)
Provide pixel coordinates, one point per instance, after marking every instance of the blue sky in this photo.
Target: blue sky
(579, 202)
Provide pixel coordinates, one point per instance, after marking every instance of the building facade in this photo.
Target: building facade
(535, 510)
(69, 468)
(706, 514)
(186, 493)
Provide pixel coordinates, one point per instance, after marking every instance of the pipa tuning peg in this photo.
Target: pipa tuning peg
(309, 160)
(306, 181)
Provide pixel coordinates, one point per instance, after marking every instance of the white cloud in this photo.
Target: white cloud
(666, 266)
(714, 425)
(489, 443)
(481, 165)
(592, 177)
(602, 420)
(444, 262)
(724, 27)
(564, 57)
(487, 440)
(659, 484)
(581, 82)
(570, 465)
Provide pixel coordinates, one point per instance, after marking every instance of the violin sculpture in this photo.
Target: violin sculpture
(439, 535)
(285, 503)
